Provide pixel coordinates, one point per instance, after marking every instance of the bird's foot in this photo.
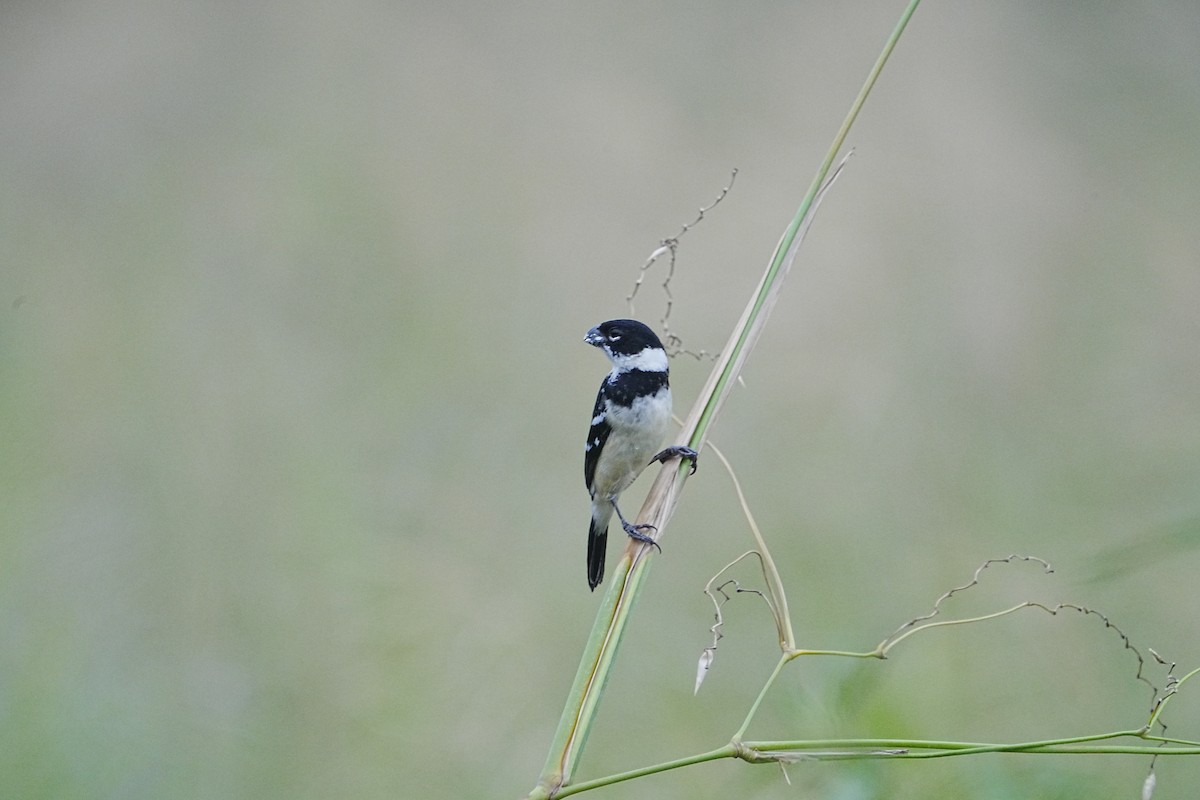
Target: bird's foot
(678, 451)
(637, 533)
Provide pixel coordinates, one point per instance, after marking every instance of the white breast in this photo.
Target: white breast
(637, 433)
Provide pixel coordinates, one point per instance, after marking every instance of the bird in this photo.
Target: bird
(629, 421)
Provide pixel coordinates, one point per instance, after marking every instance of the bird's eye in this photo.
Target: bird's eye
(614, 336)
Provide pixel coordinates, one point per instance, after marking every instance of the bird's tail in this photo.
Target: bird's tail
(597, 545)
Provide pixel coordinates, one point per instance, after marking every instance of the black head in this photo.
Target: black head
(622, 337)
(629, 344)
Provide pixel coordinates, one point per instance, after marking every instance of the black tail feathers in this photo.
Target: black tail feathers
(597, 544)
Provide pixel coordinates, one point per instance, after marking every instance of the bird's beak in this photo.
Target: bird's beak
(594, 337)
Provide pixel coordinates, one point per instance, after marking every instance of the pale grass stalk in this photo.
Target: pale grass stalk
(630, 571)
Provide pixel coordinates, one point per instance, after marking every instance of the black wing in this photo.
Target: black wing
(597, 436)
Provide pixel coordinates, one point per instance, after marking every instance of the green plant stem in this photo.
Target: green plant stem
(862, 749)
(1162, 704)
(727, 751)
(733, 366)
(628, 576)
(919, 748)
(779, 602)
(783, 660)
(841, 653)
(762, 694)
(943, 623)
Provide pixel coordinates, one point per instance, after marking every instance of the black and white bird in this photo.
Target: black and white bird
(633, 410)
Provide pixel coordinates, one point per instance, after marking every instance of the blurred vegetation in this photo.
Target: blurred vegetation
(292, 389)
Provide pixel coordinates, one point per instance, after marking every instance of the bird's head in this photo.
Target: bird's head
(629, 345)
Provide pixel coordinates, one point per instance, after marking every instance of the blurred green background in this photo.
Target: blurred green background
(293, 391)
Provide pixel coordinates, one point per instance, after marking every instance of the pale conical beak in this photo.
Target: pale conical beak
(594, 337)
